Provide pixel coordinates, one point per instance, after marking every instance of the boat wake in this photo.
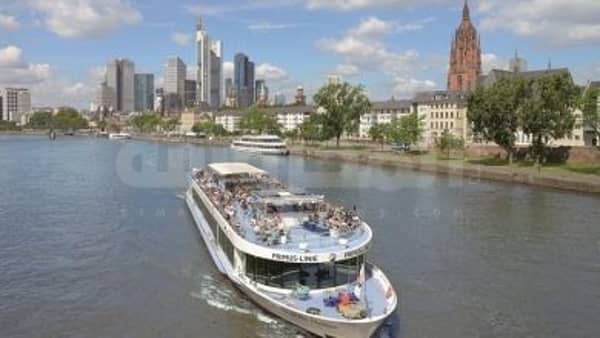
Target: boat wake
(228, 300)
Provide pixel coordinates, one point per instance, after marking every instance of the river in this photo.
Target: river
(95, 241)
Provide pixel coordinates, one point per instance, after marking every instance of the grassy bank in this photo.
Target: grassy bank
(576, 177)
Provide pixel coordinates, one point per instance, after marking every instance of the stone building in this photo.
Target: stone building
(465, 56)
(383, 112)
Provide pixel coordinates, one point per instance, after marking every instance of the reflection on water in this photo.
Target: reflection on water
(95, 241)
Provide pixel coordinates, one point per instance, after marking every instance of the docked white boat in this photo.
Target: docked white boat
(262, 144)
(292, 253)
(119, 136)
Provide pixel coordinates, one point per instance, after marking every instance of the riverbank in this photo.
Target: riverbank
(557, 177)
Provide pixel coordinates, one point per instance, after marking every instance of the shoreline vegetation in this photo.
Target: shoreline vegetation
(584, 177)
(572, 177)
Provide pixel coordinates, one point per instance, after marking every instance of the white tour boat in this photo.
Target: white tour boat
(262, 144)
(292, 253)
(119, 136)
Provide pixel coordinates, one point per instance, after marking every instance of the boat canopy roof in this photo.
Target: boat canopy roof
(234, 169)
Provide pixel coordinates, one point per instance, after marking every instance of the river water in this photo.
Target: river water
(95, 241)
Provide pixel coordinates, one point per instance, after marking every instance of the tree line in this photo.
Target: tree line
(542, 108)
(67, 119)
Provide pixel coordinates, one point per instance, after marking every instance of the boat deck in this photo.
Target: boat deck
(301, 235)
(374, 300)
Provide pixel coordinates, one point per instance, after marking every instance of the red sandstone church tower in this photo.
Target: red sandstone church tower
(465, 56)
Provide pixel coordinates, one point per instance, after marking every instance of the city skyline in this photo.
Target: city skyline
(391, 48)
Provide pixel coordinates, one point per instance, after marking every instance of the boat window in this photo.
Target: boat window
(226, 245)
(207, 215)
(290, 275)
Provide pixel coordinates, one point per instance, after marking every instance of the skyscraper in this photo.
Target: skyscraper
(120, 77)
(175, 76)
(210, 67)
(15, 102)
(144, 92)
(190, 93)
(465, 55)
(261, 95)
(244, 80)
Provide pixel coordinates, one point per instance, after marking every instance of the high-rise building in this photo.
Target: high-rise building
(210, 68)
(15, 103)
(120, 77)
(159, 101)
(105, 99)
(261, 92)
(279, 99)
(244, 80)
(300, 98)
(465, 55)
(190, 93)
(517, 64)
(175, 76)
(144, 92)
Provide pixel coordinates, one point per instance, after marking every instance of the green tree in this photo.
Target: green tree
(256, 120)
(69, 119)
(448, 142)
(591, 111)
(313, 129)
(379, 133)
(547, 111)
(343, 104)
(40, 120)
(209, 128)
(169, 125)
(407, 130)
(8, 126)
(145, 123)
(494, 112)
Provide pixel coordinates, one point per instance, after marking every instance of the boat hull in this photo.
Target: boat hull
(278, 152)
(319, 326)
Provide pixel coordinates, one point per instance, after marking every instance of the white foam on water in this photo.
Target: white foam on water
(266, 319)
(225, 299)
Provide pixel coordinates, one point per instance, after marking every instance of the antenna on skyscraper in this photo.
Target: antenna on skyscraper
(199, 24)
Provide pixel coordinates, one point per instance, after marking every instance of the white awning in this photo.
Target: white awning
(233, 169)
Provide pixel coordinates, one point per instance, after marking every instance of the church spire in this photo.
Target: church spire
(466, 11)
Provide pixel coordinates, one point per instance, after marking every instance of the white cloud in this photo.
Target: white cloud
(491, 61)
(269, 26)
(16, 72)
(10, 56)
(181, 39)
(363, 50)
(406, 87)
(8, 22)
(372, 27)
(347, 5)
(270, 72)
(560, 22)
(85, 18)
(346, 70)
(218, 9)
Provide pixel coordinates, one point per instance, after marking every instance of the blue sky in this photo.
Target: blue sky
(393, 47)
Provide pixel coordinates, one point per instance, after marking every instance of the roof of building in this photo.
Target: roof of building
(442, 96)
(391, 104)
(295, 109)
(594, 84)
(497, 74)
(233, 168)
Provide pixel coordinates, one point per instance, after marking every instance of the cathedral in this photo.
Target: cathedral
(465, 56)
